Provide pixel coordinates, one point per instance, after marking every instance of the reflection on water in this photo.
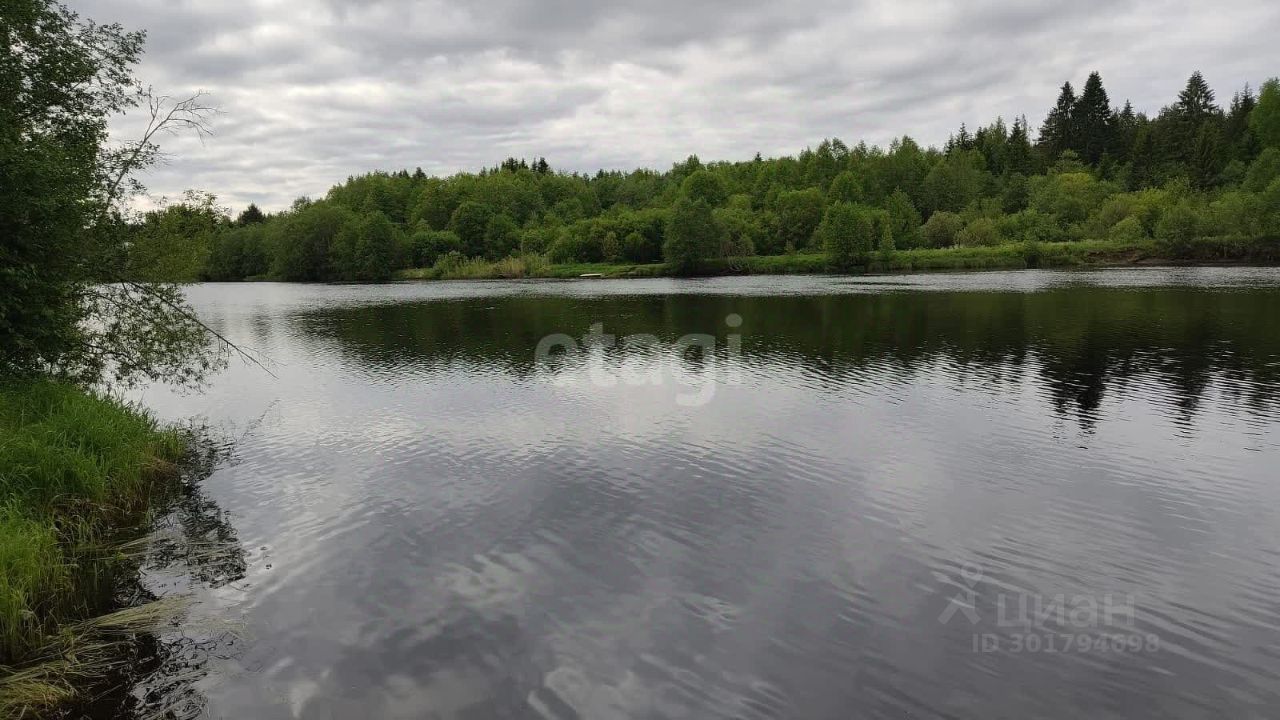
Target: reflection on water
(999, 495)
(192, 550)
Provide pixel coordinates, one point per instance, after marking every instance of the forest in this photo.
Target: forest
(1197, 171)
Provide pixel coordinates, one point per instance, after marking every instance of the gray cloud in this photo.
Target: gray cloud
(314, 92)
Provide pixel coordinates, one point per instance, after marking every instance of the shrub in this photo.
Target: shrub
(904, 221)
(1264, 170)
(639, 249)
(1127, 230)
(426, 246)
(1178, 228)
(799, 213)
(692, 235)
(850, 232)
(611, 247)
(501, 237)
(942, 229)
(979, 233)
(1069, 197)
(1028, 226)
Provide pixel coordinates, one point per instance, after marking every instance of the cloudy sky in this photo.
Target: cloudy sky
(312, 91)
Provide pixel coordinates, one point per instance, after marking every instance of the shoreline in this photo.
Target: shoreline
(82, 474)
(1227, 251)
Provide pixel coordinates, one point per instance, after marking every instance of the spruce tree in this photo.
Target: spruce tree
(1018, 158)
(1206, 161)
(1241, 143)
(1195, 102)
(1142, 159)
(1058, 132)
(251, 216)
(1126, 131)
(1093, 122)
(1186, 120)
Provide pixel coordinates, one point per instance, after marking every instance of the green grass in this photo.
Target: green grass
(75, 469)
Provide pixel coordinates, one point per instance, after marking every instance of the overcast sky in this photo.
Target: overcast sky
(315, 90)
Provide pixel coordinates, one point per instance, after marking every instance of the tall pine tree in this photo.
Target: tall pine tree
(1018, 159)
(1058, 132)
(1142, 159)
(1206, 160)
(1195, 102)
(1093, 122)
(1242, 144)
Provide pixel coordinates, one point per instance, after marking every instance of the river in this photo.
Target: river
(995, 495)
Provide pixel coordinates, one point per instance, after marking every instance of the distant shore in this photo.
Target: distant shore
(1086, 253)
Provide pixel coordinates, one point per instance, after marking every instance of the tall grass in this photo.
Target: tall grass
(455, 267)
(75, 468)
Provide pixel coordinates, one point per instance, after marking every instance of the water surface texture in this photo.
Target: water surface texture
(1002, 495)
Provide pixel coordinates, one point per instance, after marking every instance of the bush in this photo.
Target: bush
(611, 247)
(741, 231)
(1127, 230)
(1028, 226)
(904, 221)
(1264, 171)
(471, 222)
(692, 235)
(501, 237)
(1178, 228)
(1145, 206)
(850, 232)
(942, 229)
(426, 246)
(1238, 213)
(1069, 197)
(582, 241)
(639, 249)
(799, 213)
(979, 233)
(537, 240)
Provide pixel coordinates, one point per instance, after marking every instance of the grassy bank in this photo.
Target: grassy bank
(78, 473)
(1084, 253)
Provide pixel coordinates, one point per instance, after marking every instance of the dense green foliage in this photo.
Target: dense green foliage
(53, 121)
(83, 297)
(79, 297)
(1194, 170)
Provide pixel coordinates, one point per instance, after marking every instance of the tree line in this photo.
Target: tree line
(1092, 171)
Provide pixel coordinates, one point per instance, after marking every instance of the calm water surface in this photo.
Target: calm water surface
(1002, 495)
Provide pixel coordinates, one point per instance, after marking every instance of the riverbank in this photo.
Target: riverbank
(79, 474)
(1082, 254)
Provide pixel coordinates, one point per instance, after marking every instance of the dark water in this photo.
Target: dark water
(1006, 495)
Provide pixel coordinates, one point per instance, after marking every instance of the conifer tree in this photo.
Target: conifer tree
(251, 216)
(1058, 132)
(1126, 131)
(1195, 102)
(1018, 158)
(1206, 157)
(1093, 122)
(1142, 159)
